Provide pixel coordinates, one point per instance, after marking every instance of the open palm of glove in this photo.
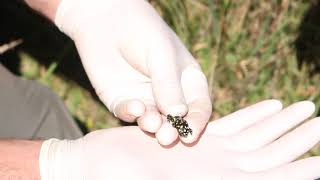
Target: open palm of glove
(246, 145)
(137, 64)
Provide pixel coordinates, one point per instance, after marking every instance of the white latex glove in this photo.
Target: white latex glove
(138, 66)
(242, 146)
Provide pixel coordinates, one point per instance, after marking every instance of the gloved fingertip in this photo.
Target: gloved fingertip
(197, 124)
(191, 138)
(150, 122)
(166, 135)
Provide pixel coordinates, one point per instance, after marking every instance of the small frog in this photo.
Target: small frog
(180, 124)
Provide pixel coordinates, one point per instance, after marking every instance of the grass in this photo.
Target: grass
(245, 47)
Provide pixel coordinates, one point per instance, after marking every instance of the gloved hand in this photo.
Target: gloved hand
(243, 146)
(138, 66)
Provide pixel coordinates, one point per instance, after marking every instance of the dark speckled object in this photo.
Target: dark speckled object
(180, 124)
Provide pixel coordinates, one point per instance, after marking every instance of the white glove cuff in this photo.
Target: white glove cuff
(60, 160)
(72, 13)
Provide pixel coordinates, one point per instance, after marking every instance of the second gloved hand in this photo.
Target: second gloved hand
(139, 67)
(250, 144)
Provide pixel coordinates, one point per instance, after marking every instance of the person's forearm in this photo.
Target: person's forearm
(46, 7)
(19, 160)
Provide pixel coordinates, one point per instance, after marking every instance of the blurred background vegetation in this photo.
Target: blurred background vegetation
(250, 50)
